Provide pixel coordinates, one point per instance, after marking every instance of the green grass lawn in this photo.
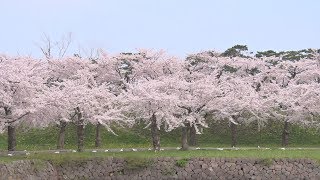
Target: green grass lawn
(217, 135)
(256, 154)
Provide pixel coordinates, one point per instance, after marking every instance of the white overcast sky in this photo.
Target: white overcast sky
(177, 26)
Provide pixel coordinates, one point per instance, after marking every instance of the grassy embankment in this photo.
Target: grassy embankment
(218, 135)
(256, 154)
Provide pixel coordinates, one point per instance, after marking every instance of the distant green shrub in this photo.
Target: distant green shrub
(266, 162)
(137, 163)
(182, 162)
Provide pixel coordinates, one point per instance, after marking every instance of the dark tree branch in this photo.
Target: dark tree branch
(14, 120)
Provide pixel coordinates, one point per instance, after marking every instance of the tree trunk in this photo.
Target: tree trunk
(193, 136)
(285, 134)
(155, 133)
(184, 139)
(80, 130)
(80, 134)
(11, 138)
(98, 135)
(233, 128)
(61, 135)
(12, 142)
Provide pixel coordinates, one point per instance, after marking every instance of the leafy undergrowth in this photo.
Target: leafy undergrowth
(256, 154)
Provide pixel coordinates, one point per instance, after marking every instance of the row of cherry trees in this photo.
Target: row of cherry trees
(157, 89)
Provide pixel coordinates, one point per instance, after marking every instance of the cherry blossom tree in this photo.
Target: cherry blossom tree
(281, 81)
(89, 88)
(194, 97)
(197, 67)
(61, 73)
(21, 93)
(154, 75)
(290, 107)
(240, 104)
(154, 104)
(233, 76)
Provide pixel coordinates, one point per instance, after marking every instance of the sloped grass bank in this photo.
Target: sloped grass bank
(218, 135)
(256, 154)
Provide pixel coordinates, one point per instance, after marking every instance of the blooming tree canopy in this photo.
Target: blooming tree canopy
(21, 89)
(158, 89)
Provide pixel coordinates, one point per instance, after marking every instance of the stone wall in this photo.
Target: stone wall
(163, 168)
(27, 169)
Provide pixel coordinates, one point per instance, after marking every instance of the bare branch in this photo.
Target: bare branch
(59, 48)
(14, 120)
(64, 44)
